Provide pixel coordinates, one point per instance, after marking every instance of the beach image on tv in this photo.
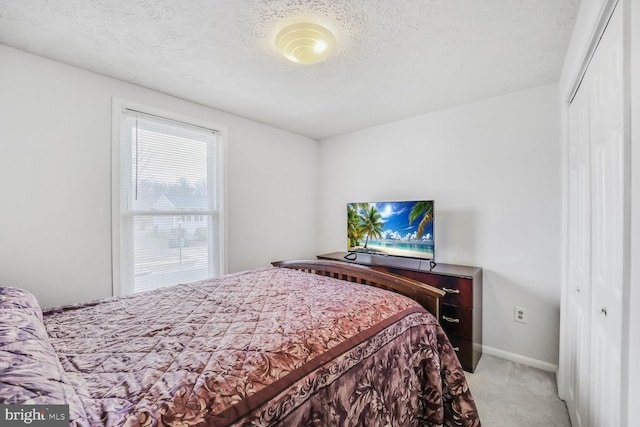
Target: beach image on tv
(391, 228)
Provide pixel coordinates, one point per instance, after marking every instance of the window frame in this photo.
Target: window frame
(120, 265)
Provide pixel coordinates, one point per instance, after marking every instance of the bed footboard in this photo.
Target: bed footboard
(427, 295)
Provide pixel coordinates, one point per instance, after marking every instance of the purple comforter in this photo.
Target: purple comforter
(264, 347)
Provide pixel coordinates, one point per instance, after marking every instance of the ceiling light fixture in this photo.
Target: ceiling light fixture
(305, 43)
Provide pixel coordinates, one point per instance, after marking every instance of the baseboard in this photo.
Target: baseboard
(545, 366)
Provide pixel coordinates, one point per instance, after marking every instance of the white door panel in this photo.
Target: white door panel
(579, 257)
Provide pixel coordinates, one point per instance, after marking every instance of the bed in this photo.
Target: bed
(304, 343)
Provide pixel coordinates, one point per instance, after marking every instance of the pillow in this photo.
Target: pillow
(30, 372)
(16, 298)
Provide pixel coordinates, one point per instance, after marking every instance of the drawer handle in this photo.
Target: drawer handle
(450, 319)
(451, 291)
(456, 348)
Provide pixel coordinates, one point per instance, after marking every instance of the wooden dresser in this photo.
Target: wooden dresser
(460, 308)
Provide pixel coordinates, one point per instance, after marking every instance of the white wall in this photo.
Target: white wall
(493, 169)
(55, 175)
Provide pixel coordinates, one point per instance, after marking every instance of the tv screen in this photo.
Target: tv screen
(391, 228)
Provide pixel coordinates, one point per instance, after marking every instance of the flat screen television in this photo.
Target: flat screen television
(391, 228)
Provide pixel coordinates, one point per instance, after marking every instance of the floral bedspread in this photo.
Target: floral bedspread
(265, 347)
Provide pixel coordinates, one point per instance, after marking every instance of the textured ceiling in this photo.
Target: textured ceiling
(394, 59)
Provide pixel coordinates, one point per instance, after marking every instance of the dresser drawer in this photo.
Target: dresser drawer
(456, 320)
(459, 290)
(464, 350)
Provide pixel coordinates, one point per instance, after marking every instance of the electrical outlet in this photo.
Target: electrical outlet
(520, 314)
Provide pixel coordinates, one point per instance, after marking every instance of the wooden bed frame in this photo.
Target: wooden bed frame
(427, 295)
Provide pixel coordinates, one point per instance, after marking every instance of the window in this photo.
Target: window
(169, 173)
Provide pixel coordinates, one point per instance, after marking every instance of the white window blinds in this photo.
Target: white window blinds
(169, 215)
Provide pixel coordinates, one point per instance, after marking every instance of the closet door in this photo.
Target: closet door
(596, 237)
(607, 219)
(578, 303)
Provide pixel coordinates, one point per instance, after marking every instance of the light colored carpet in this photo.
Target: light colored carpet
(509, 394)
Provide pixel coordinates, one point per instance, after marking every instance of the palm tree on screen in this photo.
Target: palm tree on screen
(371, 223)
(353, 221)
(424, 209)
